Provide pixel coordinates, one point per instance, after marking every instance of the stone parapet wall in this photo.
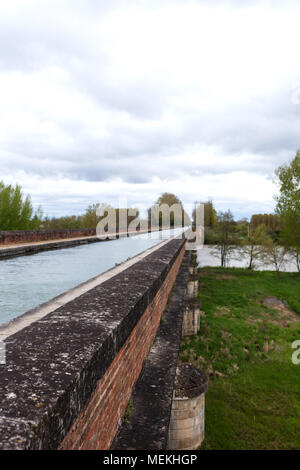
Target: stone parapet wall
(68, 377)
(31, 236)
(11, 237)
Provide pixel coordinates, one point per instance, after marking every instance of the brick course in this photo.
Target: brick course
(73, 371)
(28, 236)
(97, 425)
(11, 237)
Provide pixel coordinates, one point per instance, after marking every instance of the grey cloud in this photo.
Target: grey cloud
(138, 143)
(128, 151)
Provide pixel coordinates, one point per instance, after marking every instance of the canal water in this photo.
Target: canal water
(28, 281)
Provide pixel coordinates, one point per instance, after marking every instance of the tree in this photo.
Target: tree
(242, 227)
(289, 180)
(168, 211)
(210, 214)
(254, 247)
(295, 253)
(169, 199)
(275, 255)
(122, 216)
(288, 205)
(37, 220)
(90, 218)
(210, 221)
(227, 240)
(63, 223)
(16, 211)
(272, 222)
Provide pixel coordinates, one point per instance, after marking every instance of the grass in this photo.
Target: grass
(253, 401)
(128, 410)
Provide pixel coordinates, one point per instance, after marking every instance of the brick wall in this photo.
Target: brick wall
(96, 426)
(28, 236)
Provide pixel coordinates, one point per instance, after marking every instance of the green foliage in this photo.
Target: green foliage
(253, 247)
(289, 181)
(245, 347)
(128, 411)
(90, 218)
(227, 238)
(16, 212)
(294, 303)
(175, 218)
(274, 254)
(288, 201)
(272, 222)
(37, 220)
(63, 223)
(210, 215)
(169, 199)
(242, 228)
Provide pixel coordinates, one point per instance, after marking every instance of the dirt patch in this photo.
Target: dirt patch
(225, 334)
(204, 273)
(253, 321)
(226, 277)
(286, 316)
(270, 346)
(220, 311)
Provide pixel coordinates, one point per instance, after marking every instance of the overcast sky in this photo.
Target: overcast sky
(102, 99)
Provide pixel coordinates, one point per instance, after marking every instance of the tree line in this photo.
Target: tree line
(258, 245)
(16, 210)
(16, 213)
(267, 238)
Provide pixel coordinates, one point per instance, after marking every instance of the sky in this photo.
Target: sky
(109, 100)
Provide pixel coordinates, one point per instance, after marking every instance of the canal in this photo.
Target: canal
(28, 281)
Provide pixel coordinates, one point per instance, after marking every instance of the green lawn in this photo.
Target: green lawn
(245, 346)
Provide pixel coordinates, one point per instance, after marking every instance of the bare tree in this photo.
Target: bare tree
(254, 247)
(275, 255)
(295, 254)
(227, 239)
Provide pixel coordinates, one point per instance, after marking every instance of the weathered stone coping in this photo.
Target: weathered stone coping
(54, 364)
(32, 248)
(148, 424)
